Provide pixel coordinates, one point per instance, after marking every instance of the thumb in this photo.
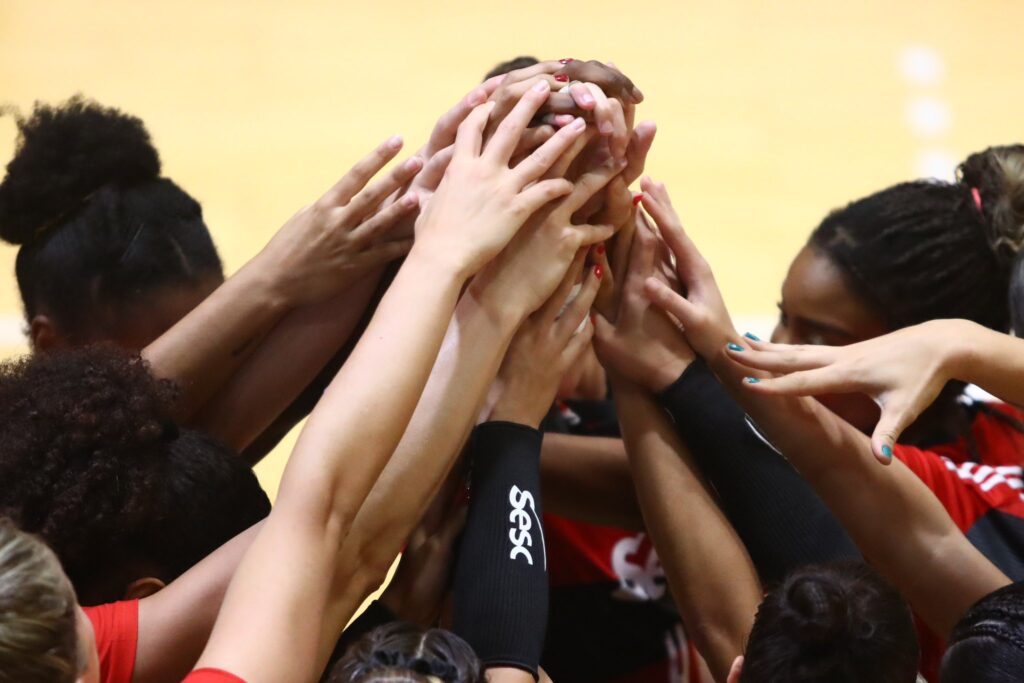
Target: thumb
(887, 432)
(662, 296)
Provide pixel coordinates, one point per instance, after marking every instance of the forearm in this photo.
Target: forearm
(929, 560)
(783, 522)
(283, 365)
(992, 360)
(588, 478)
(712, 578)
(205, 347)
(469, 359)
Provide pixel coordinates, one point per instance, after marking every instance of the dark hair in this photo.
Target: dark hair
(987, 645)
(90, 462)
(832, 623)
(511, 65)
(400, 651)
(97, 225)
(926, 250)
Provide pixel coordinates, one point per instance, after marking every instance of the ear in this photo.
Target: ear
(735, 671)
(44, 335)
(143, 588)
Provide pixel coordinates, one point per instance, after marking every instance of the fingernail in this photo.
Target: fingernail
(887, 451)
(600, 249)
(732, 346)
(598, 271)
(606, 128)
(409, 200)
(751, 380)
(561, 78)
(751, 335)
(637, 198)
(411, 163)
(578, 123)
(587, 98)
(541, 86)
(565, 61)
(477, 97)
(394, 142)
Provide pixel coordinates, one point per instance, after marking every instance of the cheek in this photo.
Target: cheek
(857, 409)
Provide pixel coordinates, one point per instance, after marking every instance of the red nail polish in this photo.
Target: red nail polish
(566, 60)
(561, 78)
(638, 198)
(600, 250)
(598, 272)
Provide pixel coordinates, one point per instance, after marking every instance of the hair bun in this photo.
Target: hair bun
(997, 173)
(64, 153)
(819, 610)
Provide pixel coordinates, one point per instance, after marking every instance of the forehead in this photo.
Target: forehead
(815, 289)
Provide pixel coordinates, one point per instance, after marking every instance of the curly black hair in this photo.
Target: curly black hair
(97, 226)
(832, 623)
(927, 250)
(400, 651)
(987, 645)
(91, 463)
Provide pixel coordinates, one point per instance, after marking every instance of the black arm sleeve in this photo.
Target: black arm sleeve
(501, 579)
(375, 614)
(780, 518)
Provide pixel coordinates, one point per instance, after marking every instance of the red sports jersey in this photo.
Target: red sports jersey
(211, 676)
(984, 498)
(116, 627)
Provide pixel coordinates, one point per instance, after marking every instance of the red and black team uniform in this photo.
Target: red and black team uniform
(612, 618)
(116, 629)
(783, 522)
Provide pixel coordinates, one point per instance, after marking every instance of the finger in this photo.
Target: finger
(636, 152)
(579, 308)
(671, 302)
(501, 146)
(786, 359)
(608, 78)
(557, 120)
(370, 197)
(558, 300)
(353, 181)
(801, 383)
(623, 244)
(532, 139)
(577, 344)
(433, 171)
(604, 114)
(590, 184)
(887, 432)
(642, 256)
(583, 97)
(539, 194)
(605, 299)
(690, 264)
(541, 159)
(561, 167)
(549, 67)
(446, 127)
(563, 102)
(376, 226)
(620, 133)
(469, 138)
(593, 234)
(382, 253)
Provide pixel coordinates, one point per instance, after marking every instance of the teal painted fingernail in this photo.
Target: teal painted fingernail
(735, 347)
(887, 452)
(751, 335)
(751, 380)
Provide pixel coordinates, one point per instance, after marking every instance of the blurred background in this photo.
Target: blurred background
(769, 114)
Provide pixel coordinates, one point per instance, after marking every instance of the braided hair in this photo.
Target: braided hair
(926, 250)
(407, 653)
(98, 227)
(987, 645)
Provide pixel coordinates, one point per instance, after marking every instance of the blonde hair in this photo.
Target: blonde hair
(38, 613)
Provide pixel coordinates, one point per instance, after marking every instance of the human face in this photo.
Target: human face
(819, 307)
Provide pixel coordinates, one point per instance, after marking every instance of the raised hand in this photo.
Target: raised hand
(327, 244)
(643, 345)
(545, 347)
(613, 82)
(903, 372)
(481, 203)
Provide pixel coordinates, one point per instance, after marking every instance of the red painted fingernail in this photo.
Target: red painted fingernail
(565, 61)
(598, 271)
(638, 198)
(600, 249)
(561, 78)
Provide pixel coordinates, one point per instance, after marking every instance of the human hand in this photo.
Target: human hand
(701, 310)
(481, 203)
(545, 348)
(326, 245)
(643, 344)
(903, 371)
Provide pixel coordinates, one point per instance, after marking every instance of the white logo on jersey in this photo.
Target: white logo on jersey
(519, 534)
(988, 477)
(639, 578)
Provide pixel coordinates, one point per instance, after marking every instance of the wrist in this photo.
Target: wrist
(477, 303)
(960, 341)
(439, 260)
(514, 407)
(661, 376)
(275, 290)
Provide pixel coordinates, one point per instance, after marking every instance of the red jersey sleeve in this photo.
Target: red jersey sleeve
(116, 627)
(211, 676)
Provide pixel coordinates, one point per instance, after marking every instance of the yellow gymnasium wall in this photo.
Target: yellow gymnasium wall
(769, 114)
